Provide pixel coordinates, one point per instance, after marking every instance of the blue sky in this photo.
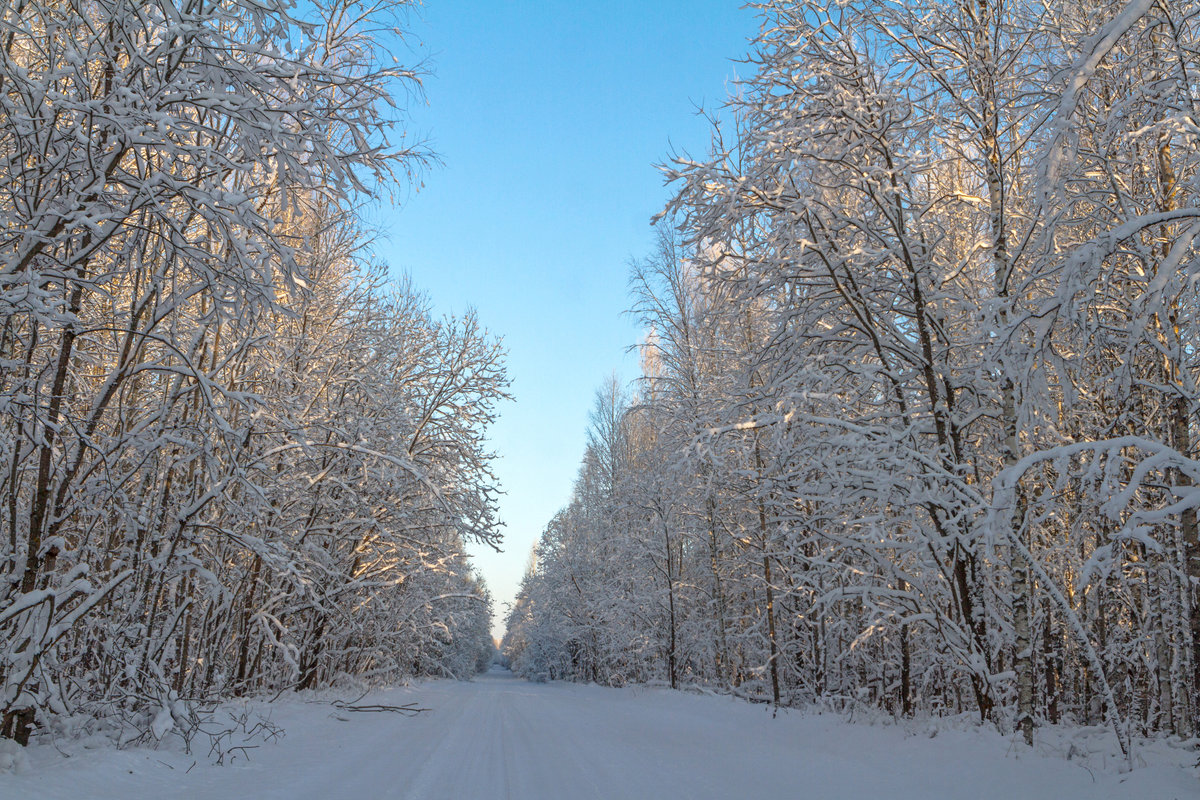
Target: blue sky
(548, 118)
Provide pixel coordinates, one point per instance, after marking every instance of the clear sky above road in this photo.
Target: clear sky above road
(548, 117)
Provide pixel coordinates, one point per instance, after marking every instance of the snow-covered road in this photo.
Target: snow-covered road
(500, 737)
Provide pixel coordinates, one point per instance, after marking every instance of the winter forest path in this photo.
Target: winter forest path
(501, 737)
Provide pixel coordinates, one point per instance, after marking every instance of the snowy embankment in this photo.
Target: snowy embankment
(500, 737)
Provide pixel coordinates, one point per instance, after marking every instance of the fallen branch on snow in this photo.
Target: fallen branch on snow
(408, 709)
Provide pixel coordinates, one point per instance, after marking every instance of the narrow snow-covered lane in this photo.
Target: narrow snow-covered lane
(501, 737)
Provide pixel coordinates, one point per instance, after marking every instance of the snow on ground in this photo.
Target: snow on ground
(501, 737)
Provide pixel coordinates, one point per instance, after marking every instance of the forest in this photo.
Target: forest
(235, 457)
(915, 425)
(913, 433)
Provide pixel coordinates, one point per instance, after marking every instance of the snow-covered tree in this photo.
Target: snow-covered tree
(915, 423)
(233, 456)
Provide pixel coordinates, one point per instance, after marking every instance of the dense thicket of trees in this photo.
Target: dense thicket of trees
(917, 420)
(232, 456)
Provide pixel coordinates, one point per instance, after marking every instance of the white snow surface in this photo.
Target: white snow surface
(501, 737)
